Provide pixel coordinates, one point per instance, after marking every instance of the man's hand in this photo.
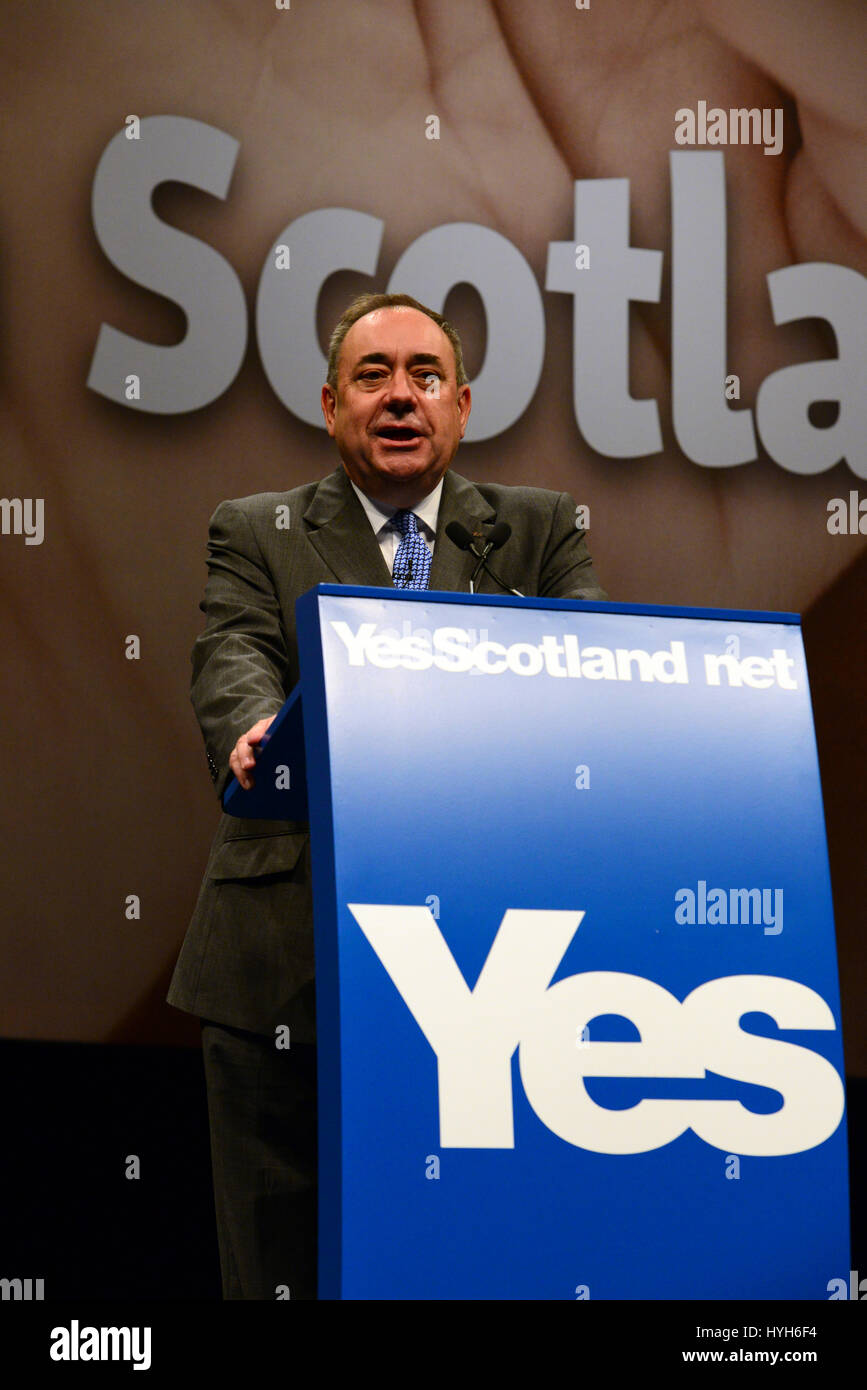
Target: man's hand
(243, 755)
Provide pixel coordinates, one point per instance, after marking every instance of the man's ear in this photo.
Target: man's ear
(329, 406)
(465, 401)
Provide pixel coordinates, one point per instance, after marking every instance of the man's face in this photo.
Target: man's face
(397, 415)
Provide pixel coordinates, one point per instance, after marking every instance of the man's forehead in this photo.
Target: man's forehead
(395, 329)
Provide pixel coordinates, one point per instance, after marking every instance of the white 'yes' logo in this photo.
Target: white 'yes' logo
(475, 1032)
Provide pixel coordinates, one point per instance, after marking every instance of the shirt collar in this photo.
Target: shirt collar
(379, 515)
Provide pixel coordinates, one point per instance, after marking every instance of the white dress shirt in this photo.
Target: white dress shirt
(379, 516)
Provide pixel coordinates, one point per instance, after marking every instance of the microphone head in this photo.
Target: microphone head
(459, 534)
(499, 534)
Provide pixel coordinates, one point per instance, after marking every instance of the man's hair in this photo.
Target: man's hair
(366, 304)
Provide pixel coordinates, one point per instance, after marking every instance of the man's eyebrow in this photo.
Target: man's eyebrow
(378, 357)
(425, 359)
(418, 359)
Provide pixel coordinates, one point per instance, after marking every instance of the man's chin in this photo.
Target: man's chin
(397, 475)
(402, 462)
(416, 452)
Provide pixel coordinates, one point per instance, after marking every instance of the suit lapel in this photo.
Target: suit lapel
(342, 534)
(460, 501)
(344, 538)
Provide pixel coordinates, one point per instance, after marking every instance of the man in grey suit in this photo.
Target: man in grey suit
(396, 401)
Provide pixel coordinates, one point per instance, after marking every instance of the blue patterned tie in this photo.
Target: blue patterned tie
(412, 561)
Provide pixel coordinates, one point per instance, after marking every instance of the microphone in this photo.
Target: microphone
(466, 540)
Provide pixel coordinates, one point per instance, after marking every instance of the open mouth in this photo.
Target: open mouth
(402, 435)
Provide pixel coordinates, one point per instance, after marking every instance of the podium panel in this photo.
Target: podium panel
(577, 998)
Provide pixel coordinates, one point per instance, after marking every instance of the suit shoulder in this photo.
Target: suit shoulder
(518, 497)
(257, 505)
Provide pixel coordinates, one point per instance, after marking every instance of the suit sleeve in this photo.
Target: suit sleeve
(239, 659)
(567, 570)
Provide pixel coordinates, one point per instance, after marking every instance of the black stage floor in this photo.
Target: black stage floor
(74, 1113)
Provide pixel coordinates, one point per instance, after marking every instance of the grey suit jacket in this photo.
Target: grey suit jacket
(247, 959)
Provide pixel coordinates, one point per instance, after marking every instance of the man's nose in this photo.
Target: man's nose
(399, 394)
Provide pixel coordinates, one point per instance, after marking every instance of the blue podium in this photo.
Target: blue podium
(577, 997)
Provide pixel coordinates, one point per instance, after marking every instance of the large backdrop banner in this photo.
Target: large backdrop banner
(647, 220)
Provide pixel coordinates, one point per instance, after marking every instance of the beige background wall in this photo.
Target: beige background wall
(105, 790)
